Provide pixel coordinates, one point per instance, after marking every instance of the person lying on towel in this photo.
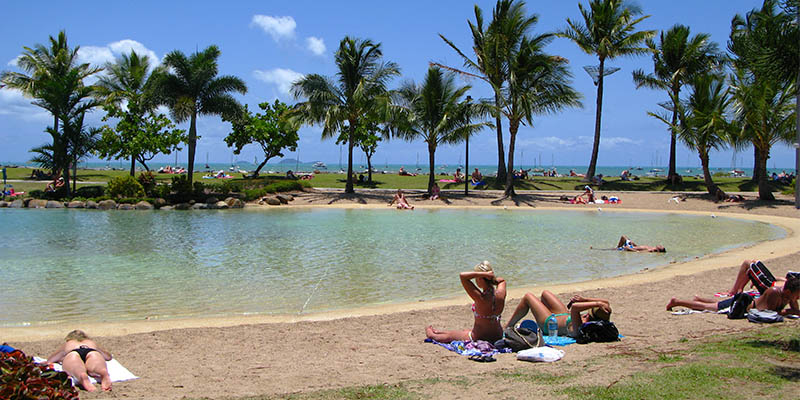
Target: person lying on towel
(81, 357)
(569, 317)
(775, 298)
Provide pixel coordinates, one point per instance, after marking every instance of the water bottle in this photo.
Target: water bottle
(552, 326)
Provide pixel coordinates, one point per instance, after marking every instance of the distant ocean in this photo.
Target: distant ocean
(282, 167)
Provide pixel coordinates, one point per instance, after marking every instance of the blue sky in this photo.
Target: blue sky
(270, 43)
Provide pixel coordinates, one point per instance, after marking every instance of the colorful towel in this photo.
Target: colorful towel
(448, 181)
(471, 348)
(477, 183)
(116, 371)
(558, 340)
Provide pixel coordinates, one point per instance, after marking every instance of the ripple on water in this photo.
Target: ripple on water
(131, 265)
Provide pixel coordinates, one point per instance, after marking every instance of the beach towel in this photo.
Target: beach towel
(471, 348)
(116, 371)
(448, 181)
(477, 183)
(687, 311)
(558, 340)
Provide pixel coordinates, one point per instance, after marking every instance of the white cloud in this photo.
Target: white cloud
(282, 78)
(99, 55)
(13, 102)
(14, 62)
(558, 143)
(95, 55)
(277, 27)
(126, 45)
(316, 45)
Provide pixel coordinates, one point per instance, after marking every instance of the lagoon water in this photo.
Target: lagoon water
(88, 265)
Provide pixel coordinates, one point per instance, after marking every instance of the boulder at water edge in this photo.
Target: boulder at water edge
(199, 206)
(76, 204)
(126, 206)
(212, 200)
(37, 203)
(107, 205)
(159, 202)
(3, 204)
(91, 204)
(54, 204)
(284, 198)
(273, 201)
(143, 205)
(234, 202)
(167, 208)
(182, 206)
(17, 204)
(221, 205)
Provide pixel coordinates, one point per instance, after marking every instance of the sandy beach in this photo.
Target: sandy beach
(276, 355)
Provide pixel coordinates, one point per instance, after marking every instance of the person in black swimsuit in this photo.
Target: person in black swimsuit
(81, 358)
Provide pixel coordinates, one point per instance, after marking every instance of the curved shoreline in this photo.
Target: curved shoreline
(772, 248)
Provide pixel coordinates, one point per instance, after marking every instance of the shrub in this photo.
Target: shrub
(198, 190)
(148, 181)
(182, 190)
(161, 191)
(24, 379)
(125, 186)
(36, 194)
(90, 191)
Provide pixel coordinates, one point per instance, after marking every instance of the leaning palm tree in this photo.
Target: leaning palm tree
(191, 87)
(608, 31)
(491, 45)
(538, 84)
(434, 112)
(128, 81)
(765, 111)
(340, 105)
(677, 58)
(704, 124)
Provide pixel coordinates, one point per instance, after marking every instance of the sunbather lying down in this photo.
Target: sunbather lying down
(81, 357)
(774, 298)
(626, 244)
(569, 317)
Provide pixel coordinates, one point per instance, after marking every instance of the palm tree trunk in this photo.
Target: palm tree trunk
(501, 159)
(133, 166)
(756, 163)
(75, 175)
(513, 126)
(797, 143)
(764, 189)
(597, 120)
(671, 172)
(431, 173)
(369, 167)
(710, 185)
(192, 145)
(348, 187)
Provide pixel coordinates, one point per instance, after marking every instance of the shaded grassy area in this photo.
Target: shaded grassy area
(420, 182)
(764, 363)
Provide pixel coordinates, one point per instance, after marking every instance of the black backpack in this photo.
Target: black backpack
(738, 310)
(598, 331)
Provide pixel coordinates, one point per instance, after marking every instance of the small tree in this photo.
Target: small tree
(270, 130)
(368, 142)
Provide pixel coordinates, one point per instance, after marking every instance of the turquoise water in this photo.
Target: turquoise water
(86, 265)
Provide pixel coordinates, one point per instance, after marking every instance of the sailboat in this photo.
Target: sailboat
(207, 166)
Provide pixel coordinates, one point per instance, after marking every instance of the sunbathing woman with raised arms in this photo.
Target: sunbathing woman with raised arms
(81, 357)
(489, 295)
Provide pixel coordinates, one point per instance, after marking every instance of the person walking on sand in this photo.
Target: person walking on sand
(402, 203)
(81, 358)
(489, 295)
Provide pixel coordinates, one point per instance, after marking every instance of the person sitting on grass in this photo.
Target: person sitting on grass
(477, 177)
(290, 174)
(569, 317)
(775, 298)
(81, 358)
(402, 203)
(489, 295)
(458, 176)
(55, 185)
(626, 244)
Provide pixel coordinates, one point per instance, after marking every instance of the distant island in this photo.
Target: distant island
(290, 161)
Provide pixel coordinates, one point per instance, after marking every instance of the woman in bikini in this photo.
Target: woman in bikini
(400, 199)
(626, 244)
(81, 357)
(489, 295)
(569, 317)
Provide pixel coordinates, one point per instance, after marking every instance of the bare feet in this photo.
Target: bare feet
(429, 331)
(87, 384)
(671, 303)
(105, 383)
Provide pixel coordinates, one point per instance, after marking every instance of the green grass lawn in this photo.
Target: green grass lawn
(394, 181)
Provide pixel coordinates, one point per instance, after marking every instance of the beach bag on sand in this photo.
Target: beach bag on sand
(741, 301)
(540, 354)
(764, 317)
(597, 331)
(523, 335)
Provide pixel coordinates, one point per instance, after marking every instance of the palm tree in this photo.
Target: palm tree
(677, 58)
(765, 112)
(127, 80)
(491, 46)
(81, 143)
(55, 81)
(608, 31)
(191, 87)
(704, 124)
(434, 112)
(538, 84)
(339, 105)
